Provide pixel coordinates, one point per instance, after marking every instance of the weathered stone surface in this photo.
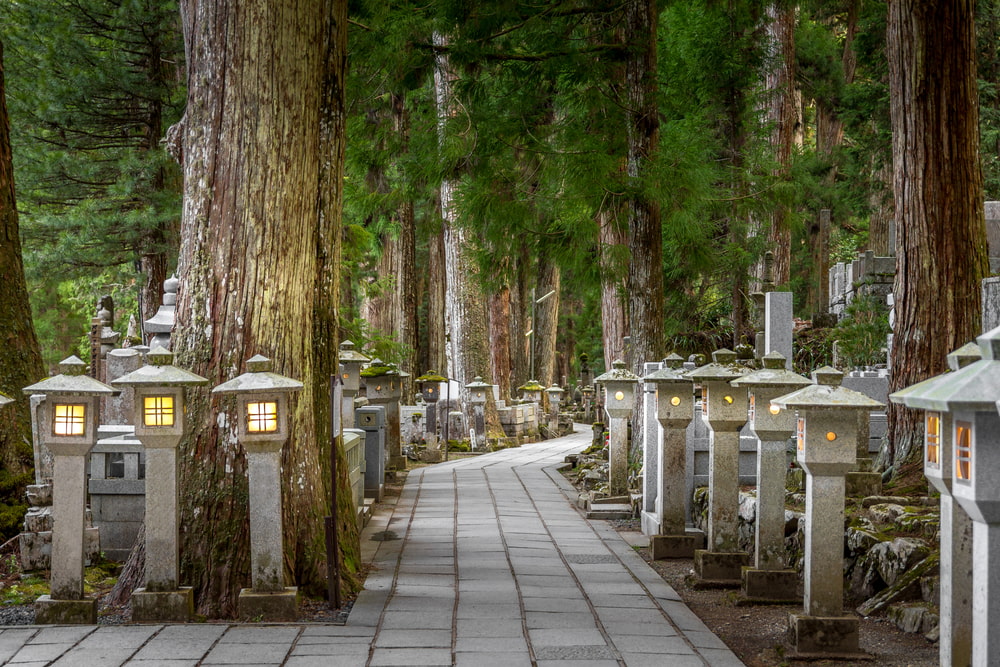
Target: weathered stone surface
(49, 611)
(163, 606)
(770, 584)
(906, 587)
(720, 567)
(824, 634)
(275, 606)
(913, 617)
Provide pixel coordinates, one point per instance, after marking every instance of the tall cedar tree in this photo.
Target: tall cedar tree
(20, 357)
(262, 145)
(938, 187)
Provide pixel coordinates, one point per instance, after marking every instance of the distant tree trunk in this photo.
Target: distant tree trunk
(436, 280)
(258, 268)
(520, 297)
(782, 116)
(645, 276)
(20, 356)
(406, 271)
(499, 320)
(614, 322)
(938, 187)
(546, 323)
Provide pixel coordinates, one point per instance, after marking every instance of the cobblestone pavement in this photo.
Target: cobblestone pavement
(482, 561)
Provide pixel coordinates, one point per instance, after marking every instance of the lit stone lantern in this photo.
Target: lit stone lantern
(159, 425)
(531, 391)
(724, 408)
(430, 389)
(619, 400)
(384, 386)
(350, 361)
(955, 604)
(588, 402)
(674, 411)
(262, 416)
(70, 416)
(477, 397)
(769, 578)
(826, 448)
(555, 394)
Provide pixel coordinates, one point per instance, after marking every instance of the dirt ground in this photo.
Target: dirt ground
(758, 633)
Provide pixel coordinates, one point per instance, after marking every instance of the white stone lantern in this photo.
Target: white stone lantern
(70, 415)
(955, 600)
(430, 389)
(769, 578)
(262, 416)
(478, 395)
(669, 537)
(724, 408)
(555, 394)
(159, 425)
(384, 386)
(588, 402)
(826, 448)
(619, 401)
(350, 361)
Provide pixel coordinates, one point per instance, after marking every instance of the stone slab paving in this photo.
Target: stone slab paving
(481, 561)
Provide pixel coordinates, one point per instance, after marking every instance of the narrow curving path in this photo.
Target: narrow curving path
(482, 561)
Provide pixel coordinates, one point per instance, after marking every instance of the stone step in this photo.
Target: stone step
(609, 511)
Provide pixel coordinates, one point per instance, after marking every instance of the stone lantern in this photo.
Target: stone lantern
(350, 361)
(955, 604)
(69, 419)
(669, 538)
(430, 389)
(478, 395)
(531, 391)
(262, 416)
(619, 400)
(724, 408)
(159, 425)
(555, 394)
(768, 578)
(384, 386)
(826, 448)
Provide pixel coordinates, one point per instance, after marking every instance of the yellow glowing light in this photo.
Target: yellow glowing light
(346, 375)
(69, 419)
(728, 399)
(800, 434)
(262, 417)
(932, 438)
(378, 387)
(430, 390)
(963, 451)
(619, 396)
(831, 436)
(675, 400)
(773, 409)
(158, 410)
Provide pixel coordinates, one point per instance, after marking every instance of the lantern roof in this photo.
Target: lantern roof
(827, 393)
(379, 368)
(431, 376)
(963, 356)
(259, 377)
(724, 367)
(971, 387)
(555, 389)
(916, 395)
(72, 380)
(4, 399)
(618, 373)
(346, 352)
(159, 371)
(773, 374)
(531, 385)
(669, 375)
(477, 383)
(673, 360)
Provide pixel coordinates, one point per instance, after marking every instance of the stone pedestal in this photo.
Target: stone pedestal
(770, 585)
(68, 507)
(768, 579)
(722, 568)
(162, 606)
(826, 636)
(985, 594)
(956, 584)
(676, 546)
(618, 455)
(651, 435)
(266, 551)
(271, 606)
(371, 420)
(49, 611)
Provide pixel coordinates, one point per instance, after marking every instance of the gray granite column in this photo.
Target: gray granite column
(769, 532)
(956, 584)
(723, 490)
(162, 523)
(823, 572)
(69, 503)
(985, 594)
(778, 324)
(651, 479)
(671, 464)
(266, 550)
(618, 455)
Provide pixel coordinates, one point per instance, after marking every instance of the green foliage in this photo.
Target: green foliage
(861, 333)
(374, 343)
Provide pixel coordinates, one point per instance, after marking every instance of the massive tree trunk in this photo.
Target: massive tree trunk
(435, 325)
(263, 159)
(406, 267)
(645, 276)
(499, 322)
(614, 317)
(546, 322)
(938, 187)
(20, 357)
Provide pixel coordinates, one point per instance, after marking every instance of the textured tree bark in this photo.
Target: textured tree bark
(20, 356)
(436, 332)
(405, 269)
(499, 321)
(263, 157)
(938, 188)
(645, 276)
(614, 322)
(546, 321)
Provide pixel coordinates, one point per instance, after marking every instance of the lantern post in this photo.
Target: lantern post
(619, 401)
(350, 361)
(478, 397)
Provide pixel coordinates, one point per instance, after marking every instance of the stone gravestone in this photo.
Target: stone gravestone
(159, 326)
(778, 325)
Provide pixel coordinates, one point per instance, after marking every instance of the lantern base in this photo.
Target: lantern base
(720, 568)
(676, 546)
(274, 606)
(771, 585)
(160, 606)
(49, 611)
(825, 636)
(863, 484)
(396, 462)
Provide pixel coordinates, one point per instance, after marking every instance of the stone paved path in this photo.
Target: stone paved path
(483, 562)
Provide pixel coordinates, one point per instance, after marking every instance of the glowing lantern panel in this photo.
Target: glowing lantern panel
(69, 419)
(158, 410)
(262, 417)
(963, 451)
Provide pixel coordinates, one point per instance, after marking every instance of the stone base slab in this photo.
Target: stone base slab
(396, 462)
(825, 635)
(863, 484)
(269, 607)
(771, 585)
(65, 612)
(163, 606)
(676, 546)
(720, 567)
